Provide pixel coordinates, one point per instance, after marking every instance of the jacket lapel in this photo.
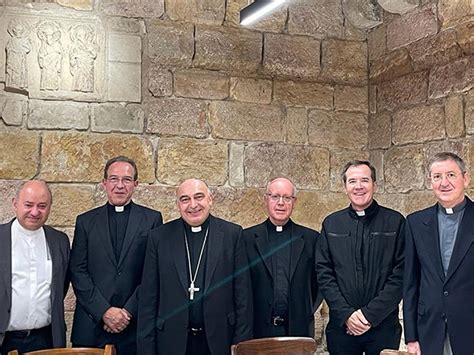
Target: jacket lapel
(102, 224)
(464, 239)
(6, 259)
(297, 245)
(178, 249)
(214, 246)
(261, 242)
(431, 241)
(134, 222)
(53, 252)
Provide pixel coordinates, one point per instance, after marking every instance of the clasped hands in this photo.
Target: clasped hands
(116, 319)
(357, 324)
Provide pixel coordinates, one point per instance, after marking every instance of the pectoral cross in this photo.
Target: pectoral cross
(191, 290)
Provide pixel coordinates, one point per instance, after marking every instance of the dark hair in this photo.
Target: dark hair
(349, 164)
(443, 156)
(124, 159)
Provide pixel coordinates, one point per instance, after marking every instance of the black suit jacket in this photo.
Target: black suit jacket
(303, 292)
(99, 280)
(164, 297)
(433, 301)
(58, 244)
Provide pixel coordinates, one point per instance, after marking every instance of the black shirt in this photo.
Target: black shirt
(118, 222)
(360, 263)
(279, 242)
(195, 242)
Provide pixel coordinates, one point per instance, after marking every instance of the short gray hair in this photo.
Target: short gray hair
(443, 156)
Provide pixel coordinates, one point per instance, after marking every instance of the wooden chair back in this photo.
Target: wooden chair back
(109, 350)
(395, 352)
(276, 345)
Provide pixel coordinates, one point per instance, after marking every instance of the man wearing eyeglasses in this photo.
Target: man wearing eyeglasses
(360, 268)
(106, 263)
(438, 305)
(281, 254)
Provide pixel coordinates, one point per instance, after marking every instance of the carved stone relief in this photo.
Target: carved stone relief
(54, 57)
(50, 54)
(17, 49)
(82, 56)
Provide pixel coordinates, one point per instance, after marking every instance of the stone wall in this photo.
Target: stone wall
(421, 74)
(187, 93)
(181, 88)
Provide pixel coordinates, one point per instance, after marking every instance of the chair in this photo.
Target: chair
(276, 345)
(109, 350)
(395, 352)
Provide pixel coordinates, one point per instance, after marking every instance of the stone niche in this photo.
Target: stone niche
(68, 55)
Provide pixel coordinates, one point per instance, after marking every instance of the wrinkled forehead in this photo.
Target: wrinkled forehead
(443, 165)
(192, 187)
(280, 184)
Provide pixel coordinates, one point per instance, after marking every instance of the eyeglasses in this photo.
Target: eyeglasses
(437, 177)
(126, 180)
(276, 198)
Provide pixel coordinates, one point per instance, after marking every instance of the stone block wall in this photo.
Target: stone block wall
(185, 92)
(181, 88)
(421, 75)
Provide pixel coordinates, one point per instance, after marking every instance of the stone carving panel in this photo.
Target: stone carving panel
(53, 57)
(17, 48)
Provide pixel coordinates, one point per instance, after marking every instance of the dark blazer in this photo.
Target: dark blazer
(303, 292)
(99, 280)
(164, 298)
(58, 244)
(433, 301)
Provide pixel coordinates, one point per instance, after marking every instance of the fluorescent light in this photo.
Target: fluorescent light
(258, 9)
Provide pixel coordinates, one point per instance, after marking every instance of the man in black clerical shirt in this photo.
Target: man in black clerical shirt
(281, 254)
(195, 295)
(107, 262)
(360, 268)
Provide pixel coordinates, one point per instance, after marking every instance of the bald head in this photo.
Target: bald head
(194, 201)
(281, 181)
(32, 204)
(280, 199)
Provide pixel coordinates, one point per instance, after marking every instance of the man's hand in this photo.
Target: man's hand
(357, 324)
(116, 319)
(414, 347)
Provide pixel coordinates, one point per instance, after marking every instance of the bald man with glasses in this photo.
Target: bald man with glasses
(281, 254)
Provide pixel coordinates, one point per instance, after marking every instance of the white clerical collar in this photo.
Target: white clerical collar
(360, 213)
(120, 208)
(279, 229)
(452, 210)
(196, 229)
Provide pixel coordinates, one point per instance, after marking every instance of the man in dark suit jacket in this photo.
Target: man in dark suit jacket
(107, 262)
(195, 297)
(31, 305)
(438, 303)
(281, 254)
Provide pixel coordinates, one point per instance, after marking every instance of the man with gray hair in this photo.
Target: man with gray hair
(438, 289)
(360, 268)
(282, 254)
(33, 263)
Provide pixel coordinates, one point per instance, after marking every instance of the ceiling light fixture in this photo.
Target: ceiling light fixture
(258, 9)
